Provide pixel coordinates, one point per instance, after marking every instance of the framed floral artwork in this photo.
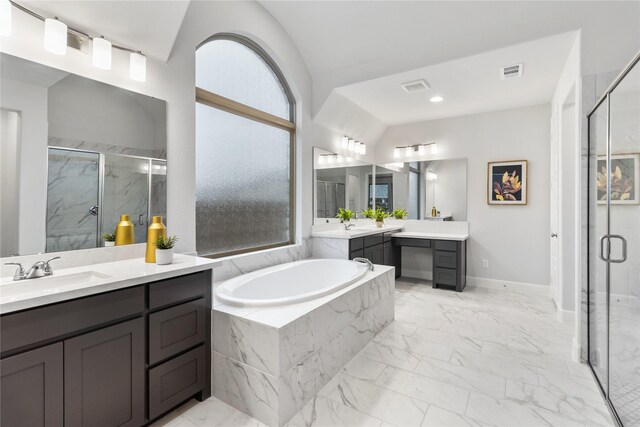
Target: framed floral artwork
(507, 183)
(625, 179)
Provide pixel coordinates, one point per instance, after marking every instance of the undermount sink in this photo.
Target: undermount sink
(52, 284)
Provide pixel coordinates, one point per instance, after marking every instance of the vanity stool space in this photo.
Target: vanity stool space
(449, 257)
(123, 357)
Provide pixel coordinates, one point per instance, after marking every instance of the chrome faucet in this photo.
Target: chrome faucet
(365, 261)
(348, 226)
(39, 269)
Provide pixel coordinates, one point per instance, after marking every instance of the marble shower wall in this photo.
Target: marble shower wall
(72, 189)
(106, 148)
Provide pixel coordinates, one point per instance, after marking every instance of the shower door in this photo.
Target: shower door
(614, 256)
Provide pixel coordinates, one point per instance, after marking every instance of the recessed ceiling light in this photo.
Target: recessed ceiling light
(437, 99)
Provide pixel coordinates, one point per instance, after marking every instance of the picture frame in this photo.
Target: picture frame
(507, 182)
(625, 179)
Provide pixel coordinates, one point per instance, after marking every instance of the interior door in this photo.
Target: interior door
(554, 261)
(624, 248)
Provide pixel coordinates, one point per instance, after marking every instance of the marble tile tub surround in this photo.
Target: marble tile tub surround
(481, 357)
(269, 362)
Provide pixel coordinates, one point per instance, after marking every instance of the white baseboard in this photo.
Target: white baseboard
(566, 316)
(525, 288)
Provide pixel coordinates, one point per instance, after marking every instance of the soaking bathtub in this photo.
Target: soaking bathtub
(290, 283)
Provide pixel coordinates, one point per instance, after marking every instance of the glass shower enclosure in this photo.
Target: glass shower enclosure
(614, 245)
(88, 191)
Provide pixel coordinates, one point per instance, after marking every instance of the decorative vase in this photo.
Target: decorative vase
(109, 244)
(434, 212)
(379, 224)
(124, 231)
(164, 256)
(155, 230)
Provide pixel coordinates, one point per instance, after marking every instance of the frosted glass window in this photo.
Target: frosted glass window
(231, 69)
(242, 183)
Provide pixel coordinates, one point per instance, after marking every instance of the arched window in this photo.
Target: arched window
(245, 138)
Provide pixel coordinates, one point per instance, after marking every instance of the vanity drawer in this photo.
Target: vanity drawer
(417, 243)
(356, 244)
(444, 259)
(387, 237)
(176, 380)
(373, 240)
(444, 276)
(176, 329)
(177, 289)
(446, 245)
(51, 321)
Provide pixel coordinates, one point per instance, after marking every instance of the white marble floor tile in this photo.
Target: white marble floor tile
(482, 357)
(389, 406)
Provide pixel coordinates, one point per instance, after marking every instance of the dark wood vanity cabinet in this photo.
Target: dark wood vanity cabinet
(376, 248)
(120, 358)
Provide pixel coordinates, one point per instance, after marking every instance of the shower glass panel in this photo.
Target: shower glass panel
(72, 200)
(126, 191)
(624, 270)
(158, 201)
(598, 220)
(614, 245)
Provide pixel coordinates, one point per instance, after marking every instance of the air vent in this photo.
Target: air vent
(415, 86)
(511, 71)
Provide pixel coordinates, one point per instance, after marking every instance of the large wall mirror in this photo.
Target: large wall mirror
(418, 187)
(339, 182)
(76, 154)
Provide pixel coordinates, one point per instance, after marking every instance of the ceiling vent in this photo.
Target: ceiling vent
(511, 71)
(415, 86)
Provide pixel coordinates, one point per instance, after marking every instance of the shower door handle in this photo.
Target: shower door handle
(624, 249)
(607, 237)
(140, 221)
(93, 210)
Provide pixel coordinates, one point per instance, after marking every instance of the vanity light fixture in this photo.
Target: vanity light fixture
(345, 142)
(5, 18)
(137, 66)
(363, 148)
(437, 99)
(55, 36)
(101, 53)
(352, 145)
(409, 150)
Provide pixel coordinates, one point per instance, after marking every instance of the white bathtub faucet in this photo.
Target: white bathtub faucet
(365, 261)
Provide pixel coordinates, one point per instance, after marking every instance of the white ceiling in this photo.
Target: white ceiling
(149, 26)
(22, 70)
(469, 85)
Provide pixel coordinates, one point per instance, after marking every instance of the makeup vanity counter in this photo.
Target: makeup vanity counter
(446, 240)
(118, 343)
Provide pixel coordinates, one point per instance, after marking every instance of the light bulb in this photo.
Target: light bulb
(396, 153)
(102, 53)
(5, 18)
(363, 149)
(408, 151)
(137, 66)
(436, 99)
(55, 36)
(421, 150)
(357, 150)
(339, 158)
(330, 160)
(345, 142)
(434, 148)
(321, 160)
(352, 144)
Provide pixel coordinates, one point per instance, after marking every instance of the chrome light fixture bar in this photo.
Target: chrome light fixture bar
(409, 150)
(57, 36)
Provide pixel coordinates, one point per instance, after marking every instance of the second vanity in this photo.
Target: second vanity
(123, 350)
(447, 241)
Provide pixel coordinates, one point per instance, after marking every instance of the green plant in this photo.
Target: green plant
(368, 213)
(166, 242)
(399, 214)
(109, 237)
(379, 215)
(345, 214)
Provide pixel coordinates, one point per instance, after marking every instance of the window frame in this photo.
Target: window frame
(214, 100)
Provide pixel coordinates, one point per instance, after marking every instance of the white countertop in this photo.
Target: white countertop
(355, 232)
(431, 235)
(77, 282)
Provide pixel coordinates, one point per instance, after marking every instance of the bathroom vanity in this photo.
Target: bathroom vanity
(134, 348)
(444, 244)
